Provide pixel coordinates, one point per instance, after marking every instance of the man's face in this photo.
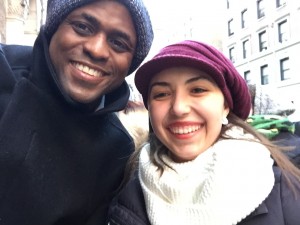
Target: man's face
(92, 50)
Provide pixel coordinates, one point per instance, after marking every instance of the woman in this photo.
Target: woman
(203, 163)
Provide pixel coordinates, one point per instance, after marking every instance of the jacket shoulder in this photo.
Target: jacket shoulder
(128, 208)
(114, 119)
(18, 57)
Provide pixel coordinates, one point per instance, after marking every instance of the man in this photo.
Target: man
(62, 148)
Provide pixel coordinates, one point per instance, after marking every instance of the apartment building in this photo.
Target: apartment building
(20, 20)
(263, 42)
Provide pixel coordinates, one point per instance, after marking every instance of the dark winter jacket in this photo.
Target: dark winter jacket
(59, 164)
(280, 208)
(290, 140)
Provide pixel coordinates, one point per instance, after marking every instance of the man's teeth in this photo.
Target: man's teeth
(88, 70)
(184, 130)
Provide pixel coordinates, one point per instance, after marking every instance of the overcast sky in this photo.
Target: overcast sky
(167, 18)
(168, 15)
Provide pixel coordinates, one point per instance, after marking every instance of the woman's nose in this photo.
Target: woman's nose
(180, 105)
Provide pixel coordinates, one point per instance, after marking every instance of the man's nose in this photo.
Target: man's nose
(98, 47)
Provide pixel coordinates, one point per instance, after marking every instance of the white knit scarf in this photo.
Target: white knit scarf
(221, 186)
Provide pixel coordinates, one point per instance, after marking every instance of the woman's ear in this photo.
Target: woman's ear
(226, 109)
(225, 114)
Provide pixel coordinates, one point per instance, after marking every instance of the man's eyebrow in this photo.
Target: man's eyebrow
(91, 19)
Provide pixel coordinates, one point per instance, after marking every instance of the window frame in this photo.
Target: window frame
(284, 72)
(232, 54)
(282, 33)
(260, 9)
(280, 3)
(246, 48)
(247, 74)
(244, 18)
(263, 44)
(264, 77)
(230, 27)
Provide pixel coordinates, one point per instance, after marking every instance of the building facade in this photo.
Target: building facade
(20, 20)
(263, 42)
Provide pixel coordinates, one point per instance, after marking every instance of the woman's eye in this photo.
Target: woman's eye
(198, 90)
(160, 95)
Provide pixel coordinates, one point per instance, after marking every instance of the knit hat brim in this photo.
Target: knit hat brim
(205, 58)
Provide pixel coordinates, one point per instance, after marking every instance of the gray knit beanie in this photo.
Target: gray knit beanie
(57, 11)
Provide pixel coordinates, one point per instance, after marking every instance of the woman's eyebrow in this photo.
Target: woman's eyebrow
(195, 79)
(162, 83)
(191, 80)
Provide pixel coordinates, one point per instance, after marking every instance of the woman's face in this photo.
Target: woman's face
(186, 109)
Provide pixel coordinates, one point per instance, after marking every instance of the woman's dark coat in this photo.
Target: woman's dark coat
(59, 163)
(285, 138)
(280, 208)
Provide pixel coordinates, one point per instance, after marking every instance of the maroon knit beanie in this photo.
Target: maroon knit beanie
(205, 58)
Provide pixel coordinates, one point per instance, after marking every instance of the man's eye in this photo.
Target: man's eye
(119, 45)
(82, 28)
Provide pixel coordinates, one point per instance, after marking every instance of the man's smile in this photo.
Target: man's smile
(88, 70)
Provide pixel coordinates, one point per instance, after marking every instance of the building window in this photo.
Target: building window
(264, 75)
(260, 9)
(285, 69)
(232, 54)
(247, 76)
(230, 26)
(262, 36)
(244, 18)
(280, 3)
(246, 49)
(283, 31)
